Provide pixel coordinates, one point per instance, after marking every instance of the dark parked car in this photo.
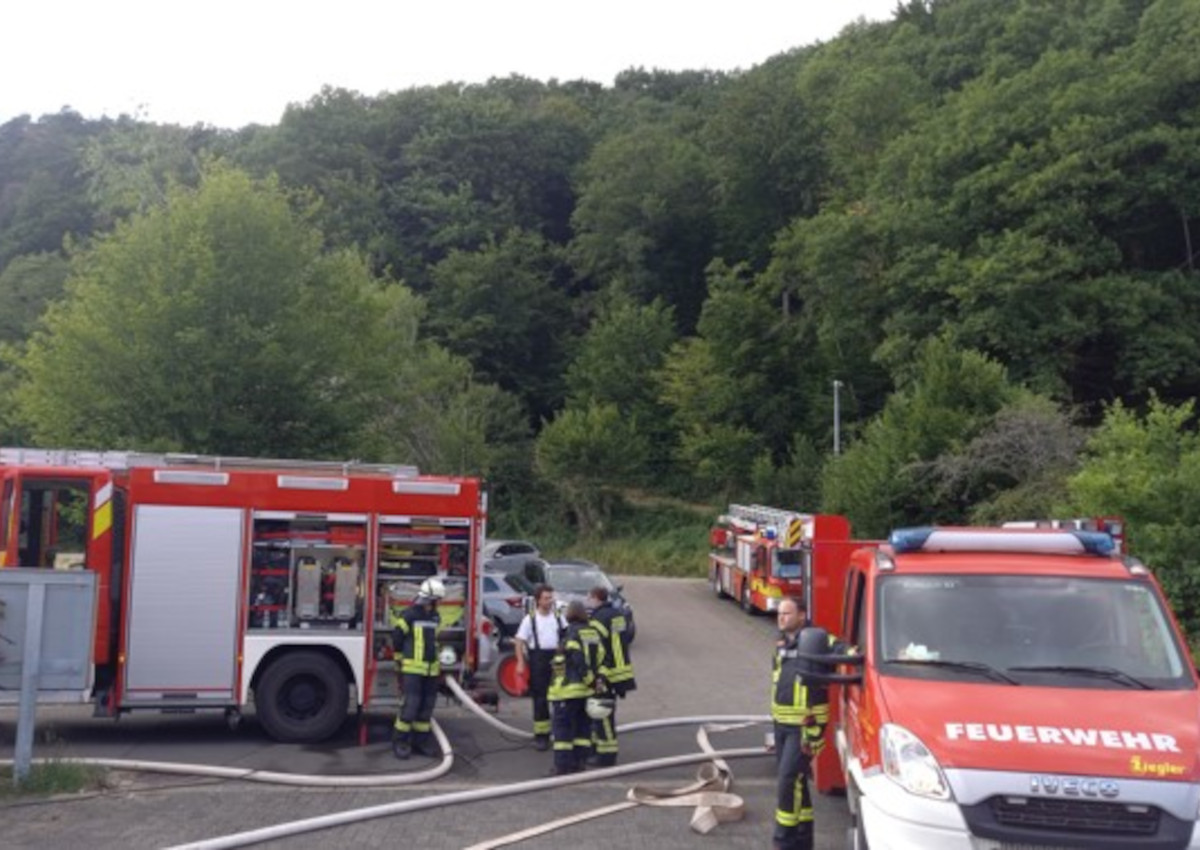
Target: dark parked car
(572, 578)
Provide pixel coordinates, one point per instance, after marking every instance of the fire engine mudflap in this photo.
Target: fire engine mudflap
(1018, 689)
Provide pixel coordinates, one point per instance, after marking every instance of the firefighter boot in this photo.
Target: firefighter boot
(401, 748)
(541, 743)
(425, 745)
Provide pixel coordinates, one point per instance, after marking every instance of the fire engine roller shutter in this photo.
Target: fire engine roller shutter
(181, 638)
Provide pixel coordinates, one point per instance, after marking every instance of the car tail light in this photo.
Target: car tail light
(515, 601)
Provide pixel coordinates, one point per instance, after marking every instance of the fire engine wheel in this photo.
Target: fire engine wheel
(747, 603)
(302, 696)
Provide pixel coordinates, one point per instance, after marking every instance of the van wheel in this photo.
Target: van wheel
(302, 696)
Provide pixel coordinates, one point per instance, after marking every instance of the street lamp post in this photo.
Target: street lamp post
(837, 418)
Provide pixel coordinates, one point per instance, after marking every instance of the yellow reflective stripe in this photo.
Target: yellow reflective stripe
(102, 510)
(786, 818)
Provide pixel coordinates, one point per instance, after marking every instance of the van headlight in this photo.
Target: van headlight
(910, 764)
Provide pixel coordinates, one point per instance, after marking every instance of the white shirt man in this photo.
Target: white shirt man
(537, 641)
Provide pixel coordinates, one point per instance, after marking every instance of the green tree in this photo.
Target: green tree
(617, 364)
(129, 166)
(215, 324)
(885, 479)
(768, 157)
(586, 454)
(504, 308)
(27, 286)
(432, 412)
(42, 197)
(1146, 468)
(645, 217)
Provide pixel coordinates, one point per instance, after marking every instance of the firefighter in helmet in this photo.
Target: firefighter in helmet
(616, 673)
(576, 668)
(414, 642)
(800, 709)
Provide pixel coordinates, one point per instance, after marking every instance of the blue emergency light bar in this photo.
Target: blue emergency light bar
(934, 539)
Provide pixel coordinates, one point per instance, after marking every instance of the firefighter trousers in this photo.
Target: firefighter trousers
(572, 734)
(604, 737)
(793, 805)
(540, 675)
(419, 695)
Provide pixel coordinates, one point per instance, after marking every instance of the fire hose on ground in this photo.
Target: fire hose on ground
(708, 794)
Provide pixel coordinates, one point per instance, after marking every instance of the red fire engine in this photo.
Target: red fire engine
(222, 580)
(760, 555)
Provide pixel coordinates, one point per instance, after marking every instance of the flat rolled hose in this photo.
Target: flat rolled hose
(708, 795)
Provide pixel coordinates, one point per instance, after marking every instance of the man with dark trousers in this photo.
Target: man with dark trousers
(415, 651)
(576, 667)
(800, 710)
(616, 673)
(537, 642)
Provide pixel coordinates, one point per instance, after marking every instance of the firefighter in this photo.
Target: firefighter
(616, 674)
(800, 710)
(418, 669)
(537, 642)
(576, 668)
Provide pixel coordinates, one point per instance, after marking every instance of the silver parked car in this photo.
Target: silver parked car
(573, 578)
(505, 599)
(514, 557)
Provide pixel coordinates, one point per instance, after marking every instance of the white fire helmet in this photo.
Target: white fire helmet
(599, 708)
(432, 588)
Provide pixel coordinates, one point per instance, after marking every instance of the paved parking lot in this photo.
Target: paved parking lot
(694, 656)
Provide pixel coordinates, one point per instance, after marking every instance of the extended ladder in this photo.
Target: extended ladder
(128, 460)
(762, 515)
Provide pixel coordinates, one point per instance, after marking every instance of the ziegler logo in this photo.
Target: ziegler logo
(1070, 786)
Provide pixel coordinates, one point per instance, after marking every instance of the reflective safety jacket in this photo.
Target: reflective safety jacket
(580, 657)
(414, 640)
(617, 668)
(795, 702)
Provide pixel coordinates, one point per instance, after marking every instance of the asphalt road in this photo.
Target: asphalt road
(694, 656)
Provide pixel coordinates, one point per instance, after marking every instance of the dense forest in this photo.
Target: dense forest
(980, 219)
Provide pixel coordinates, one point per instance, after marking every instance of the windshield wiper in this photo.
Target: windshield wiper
(970, 666)
(1111, 673)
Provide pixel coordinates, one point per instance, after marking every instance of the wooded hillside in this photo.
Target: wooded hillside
(980, 217)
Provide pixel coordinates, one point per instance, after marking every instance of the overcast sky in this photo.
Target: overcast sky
(235, 62)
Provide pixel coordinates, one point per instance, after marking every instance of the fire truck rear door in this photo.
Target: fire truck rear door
(181, 632)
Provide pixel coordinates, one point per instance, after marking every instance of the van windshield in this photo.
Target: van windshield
(1038, 630)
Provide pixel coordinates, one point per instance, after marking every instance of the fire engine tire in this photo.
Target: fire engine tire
(747, 603)
(715, 580)
(302, 696)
